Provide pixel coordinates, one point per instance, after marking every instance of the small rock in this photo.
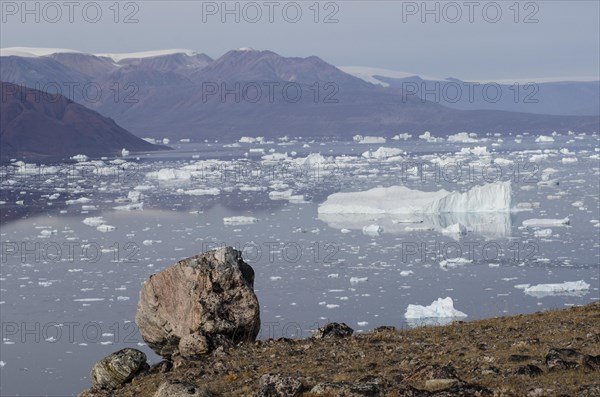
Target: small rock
(118, 368)
(517, 358)
(333, 330)
(439, 384)
(346, 389)
(181, 389)
(276, 385)
(530, 370)
(563, 359)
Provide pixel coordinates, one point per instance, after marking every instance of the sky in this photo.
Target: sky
(463, 39)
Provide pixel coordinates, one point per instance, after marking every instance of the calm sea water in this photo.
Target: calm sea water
(68, 290)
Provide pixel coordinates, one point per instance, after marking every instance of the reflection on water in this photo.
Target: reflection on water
(489, 224)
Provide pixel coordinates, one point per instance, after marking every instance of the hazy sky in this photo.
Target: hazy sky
(470, 39)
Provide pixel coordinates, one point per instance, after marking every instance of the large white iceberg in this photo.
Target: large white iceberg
(441, 308)
(493, 197)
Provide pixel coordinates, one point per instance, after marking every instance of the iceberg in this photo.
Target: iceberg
(568, 288)
(493, 197)
(441, 308)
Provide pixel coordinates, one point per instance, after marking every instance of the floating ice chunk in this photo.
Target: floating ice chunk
(567, 288)
(536, 158)
(569, 160)
(88, 300)
(170, 174)
(286, 195)
(368, 139)
(406, 273)
(313, 160)
(2, 364)
(105, 228)
(543, 233)
(428, 137)
(79, 157)
(356, 280)
(457, 228)
(463, 137)
(275, 157)
(404, 136)
(503, 162)
(134, 196)
(493, 197)
(438, 309)
(247, 139)
(522, 286)
(239, 220)
(94, 221)
(124, 152)
(544, 139)
(80, 200)
(372, 230)
(475, 151)
(200, 192)
(331, 306)
(546, 222)
(454, 262)
(275, 278)
(130, 207)
(382, 153)
(362, 323)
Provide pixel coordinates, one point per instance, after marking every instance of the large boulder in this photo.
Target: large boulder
(208, 298)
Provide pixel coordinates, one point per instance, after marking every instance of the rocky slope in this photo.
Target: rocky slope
(556, 353)
(37, 125)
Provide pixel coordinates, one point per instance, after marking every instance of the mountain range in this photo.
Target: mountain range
(184, 94)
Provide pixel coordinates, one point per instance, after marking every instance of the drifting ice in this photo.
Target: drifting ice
(557, 289)
(493, 197)
(438, 309)
(546, 222)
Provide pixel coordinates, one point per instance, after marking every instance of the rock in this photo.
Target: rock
(347, 389)
(517, 358)
(211, 294)
(118, 368)
(384, 328)
(193, 345)
(94, 392)
(181, 389)
(563, 359)
(439, 384)
(333, 330)
(427, 372)
(276, 385)
(460, 390)
(529, 369)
